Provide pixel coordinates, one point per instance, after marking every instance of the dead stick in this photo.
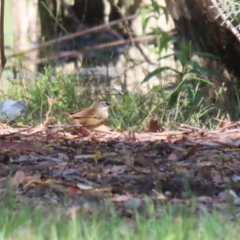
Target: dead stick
(71, 36)
(3, 57)
(93, 48)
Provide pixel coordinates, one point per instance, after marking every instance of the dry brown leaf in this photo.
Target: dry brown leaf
(191, 152)
(74, 190)
(223, 124)
(154, 126)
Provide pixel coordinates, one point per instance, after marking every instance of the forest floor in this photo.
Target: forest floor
(70, 166)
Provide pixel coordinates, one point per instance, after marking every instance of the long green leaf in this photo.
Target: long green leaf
(158, 71)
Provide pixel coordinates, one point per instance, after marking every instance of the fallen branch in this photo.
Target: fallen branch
(69, 37)
(92, 48)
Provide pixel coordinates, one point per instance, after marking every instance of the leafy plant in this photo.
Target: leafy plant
(189, 82)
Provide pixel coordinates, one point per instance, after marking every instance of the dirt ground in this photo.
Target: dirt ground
(70, 166)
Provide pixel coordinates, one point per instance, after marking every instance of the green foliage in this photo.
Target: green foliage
(154, 11)
(188, 91)
(130, 110)
(181, 100)
(184, 103)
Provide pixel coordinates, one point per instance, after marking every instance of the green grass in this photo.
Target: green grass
(193, 99)
(19, 221)
(189, 97)
(131, 110)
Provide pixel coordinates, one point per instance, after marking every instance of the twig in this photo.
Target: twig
(51, 102)
(71, 36)
(96, 47)
(3, 57)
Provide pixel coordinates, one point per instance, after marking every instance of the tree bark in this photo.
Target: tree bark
(197, 21)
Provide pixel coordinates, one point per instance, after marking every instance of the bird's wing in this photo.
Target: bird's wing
(88, 118)
(86, 113)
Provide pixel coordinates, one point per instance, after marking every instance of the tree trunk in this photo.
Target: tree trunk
(196, 21)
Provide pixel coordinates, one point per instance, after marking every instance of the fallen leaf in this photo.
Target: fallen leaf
(83, 186)
(217, 179)
(154, 126)
(18, 178)
(191, 152)
(120, 198)
(172, 157)
(73, 190)
(223, 124)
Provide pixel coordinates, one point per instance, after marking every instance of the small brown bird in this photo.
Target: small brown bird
(91, 117)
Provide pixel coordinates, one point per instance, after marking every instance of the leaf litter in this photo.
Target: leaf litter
(79, 170)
